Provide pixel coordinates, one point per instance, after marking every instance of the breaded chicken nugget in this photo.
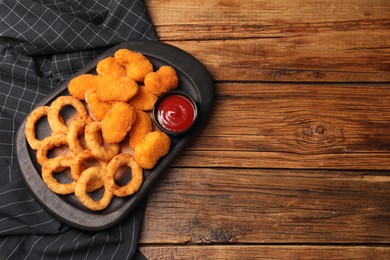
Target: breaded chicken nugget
(81, 84)
(137, 65)
(154, 145)
(113, 88)
(97, 107)
(110, 66)
(141, 126)
(117, 122)
(144, 100)
(163, 80)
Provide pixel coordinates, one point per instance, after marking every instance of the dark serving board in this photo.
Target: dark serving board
(193, 80)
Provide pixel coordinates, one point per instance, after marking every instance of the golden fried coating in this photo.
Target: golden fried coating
(54, 117)
(81, 84)
(136, 175)
(137, 65)
(47, 176)
(81, 190)
(32, 119)
(163, 80)
(142, 125)
(97, 107)
(117, 122)
(144, 100)
(152, 147)
(54, 140)
(76, 128)
(101, 151)
(92, 146)
(78, 166)
(110, 66)
(113, 88)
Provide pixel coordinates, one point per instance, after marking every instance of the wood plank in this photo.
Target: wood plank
(280, 160)
(265, 252)
(227, 19)
(322, 57)
(332, 41)
(295, 126)
(202, 206)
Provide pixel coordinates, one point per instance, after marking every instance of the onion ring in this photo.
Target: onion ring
(47, 176)
(99, 150)
(55, 119)
(136, 175)
(76, 128)
(77, 168)
(81, 190)
(29, 130)
(49, 143)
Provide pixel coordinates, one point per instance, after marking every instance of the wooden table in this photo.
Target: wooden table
(295, 160)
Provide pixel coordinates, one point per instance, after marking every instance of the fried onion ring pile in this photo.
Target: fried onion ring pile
(109, 129)
(78, 166)
(47, 176)
(80, 190)
(29, 130)
(100, 151)
(54, 118)
(136, 175)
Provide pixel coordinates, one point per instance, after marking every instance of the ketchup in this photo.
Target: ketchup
(175, 113)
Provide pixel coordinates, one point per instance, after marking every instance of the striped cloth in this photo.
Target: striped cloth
(43, 43)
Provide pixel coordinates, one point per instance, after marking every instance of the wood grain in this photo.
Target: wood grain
(343, 126)
(332, 41)
(294, 161)
(229, 206)
(324, 57)
(224, 19)
(265, 252)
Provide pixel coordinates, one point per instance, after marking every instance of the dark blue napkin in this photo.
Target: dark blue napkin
(43, 43)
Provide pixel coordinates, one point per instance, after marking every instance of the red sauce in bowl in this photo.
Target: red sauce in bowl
(175, 113)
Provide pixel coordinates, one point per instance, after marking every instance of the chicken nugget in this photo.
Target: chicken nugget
(144, 100)
(137, 65)
(142, 125)
(110, 66)
(97, 107)
(113, 88)
(81, 84)
(163, 80)
(117, 122)
(155, 145)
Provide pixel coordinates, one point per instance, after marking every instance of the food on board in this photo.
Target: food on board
(110, 128)
(161, 81)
